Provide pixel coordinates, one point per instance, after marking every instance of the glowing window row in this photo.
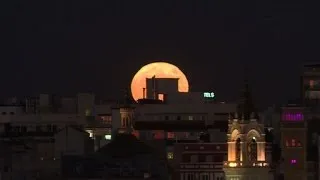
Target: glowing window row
(293, 143)
(293, 161)
(292, 117)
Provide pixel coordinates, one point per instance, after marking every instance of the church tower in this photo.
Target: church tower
(123, 116)
(246, 143)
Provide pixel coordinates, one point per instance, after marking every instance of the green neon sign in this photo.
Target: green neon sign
(208, 95)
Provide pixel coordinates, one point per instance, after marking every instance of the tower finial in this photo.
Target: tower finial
(245, 106)
(126, 97)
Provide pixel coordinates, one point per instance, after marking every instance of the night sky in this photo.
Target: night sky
(70, 46)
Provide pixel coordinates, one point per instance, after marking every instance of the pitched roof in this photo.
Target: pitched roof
(77, 128)
(124, 145)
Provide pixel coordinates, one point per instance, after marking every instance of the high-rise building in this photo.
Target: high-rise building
(293, 143)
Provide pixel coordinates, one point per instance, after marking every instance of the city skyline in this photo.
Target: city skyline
(76, 46)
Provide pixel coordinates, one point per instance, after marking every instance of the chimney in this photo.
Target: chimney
(154, 87)
(144, 93)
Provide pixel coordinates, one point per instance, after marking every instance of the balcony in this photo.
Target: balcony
(239, 164)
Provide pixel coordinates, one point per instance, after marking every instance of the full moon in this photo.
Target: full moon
(159, 70)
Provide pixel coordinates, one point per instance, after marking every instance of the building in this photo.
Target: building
(72, 140)
(294, 142)
(125, 157)
(310, 85)
(199, 160)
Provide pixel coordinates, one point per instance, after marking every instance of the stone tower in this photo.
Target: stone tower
(246, 143)
(123, 115)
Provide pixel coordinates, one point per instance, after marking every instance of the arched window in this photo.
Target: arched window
(127, 122)
(238, 149)
(252, 149)
(124, 122)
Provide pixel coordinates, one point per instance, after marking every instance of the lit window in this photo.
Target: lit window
(106, 119)
(293, 161)
(170, 155)
(107, 137)
(293, 116)
(87, 112)
(158, 135)
(136, 134)
(170, 135)
(90, 133)
(190, 118)
(161, 97)
(311, 83)
(293, 143)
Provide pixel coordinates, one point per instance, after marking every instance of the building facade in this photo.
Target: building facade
(294, 143)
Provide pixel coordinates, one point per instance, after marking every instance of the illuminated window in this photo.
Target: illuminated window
(170, 155)
(136, 134)
(238, 149)
(190, 118)
(90, 133)
(252, 148)
(161, 97)
(106, 119)
(293, 161)
(170, 135)
(293, 143)
(125, 122)
(292, 116)
(158, 135)
(107, 137)
(311, 83)
(87, 112)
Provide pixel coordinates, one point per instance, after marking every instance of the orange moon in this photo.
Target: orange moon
(159, 70)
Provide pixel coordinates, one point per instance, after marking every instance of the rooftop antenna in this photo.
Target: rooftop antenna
(144, 93)
(245, 106)
(154, 87)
